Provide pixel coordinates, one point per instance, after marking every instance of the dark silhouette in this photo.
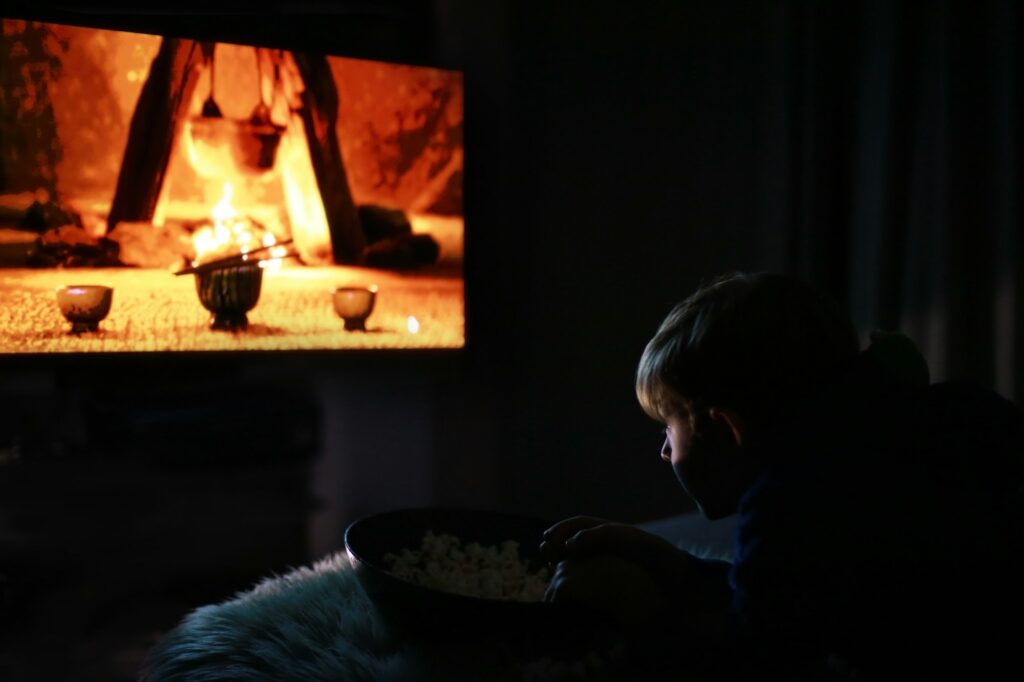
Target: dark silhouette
(880, 516)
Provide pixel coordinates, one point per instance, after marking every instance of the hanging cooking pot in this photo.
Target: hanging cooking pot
(260, 146)
(217, 145)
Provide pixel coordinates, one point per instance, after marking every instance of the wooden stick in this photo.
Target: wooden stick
(231, 262)
(319, 113)
(237, 259)
(156, 124)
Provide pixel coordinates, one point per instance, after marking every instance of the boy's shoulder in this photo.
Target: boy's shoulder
(961, 389)
(972, 406)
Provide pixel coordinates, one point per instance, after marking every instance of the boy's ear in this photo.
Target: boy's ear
(732, 421)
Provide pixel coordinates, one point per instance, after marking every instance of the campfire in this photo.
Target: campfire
(135, 157)
(231, 234)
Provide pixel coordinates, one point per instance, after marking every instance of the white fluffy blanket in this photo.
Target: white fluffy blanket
(316, 623)
(313, 623)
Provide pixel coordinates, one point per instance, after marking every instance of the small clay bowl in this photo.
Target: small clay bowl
(229, 293)
(354, 305)
(84, 305)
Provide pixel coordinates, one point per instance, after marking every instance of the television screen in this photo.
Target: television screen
(164, 194)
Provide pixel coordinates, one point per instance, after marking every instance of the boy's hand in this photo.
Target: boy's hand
(585, 535)
(552, 546)
(615, 568)
(609, 585)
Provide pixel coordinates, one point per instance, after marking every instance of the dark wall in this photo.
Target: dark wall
(614, 165)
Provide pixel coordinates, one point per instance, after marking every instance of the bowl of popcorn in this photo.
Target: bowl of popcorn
(455, 568)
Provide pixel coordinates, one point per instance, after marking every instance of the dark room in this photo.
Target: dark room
(701, 323)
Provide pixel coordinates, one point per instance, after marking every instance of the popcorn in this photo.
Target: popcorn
(489, 572)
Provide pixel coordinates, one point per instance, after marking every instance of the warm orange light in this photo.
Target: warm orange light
(273, 262)
(229, 235)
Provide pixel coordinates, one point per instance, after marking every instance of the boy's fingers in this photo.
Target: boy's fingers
(562, 586)
(607, 537)
(625, 541)
(578, 536)
(552, 546)
(551, 551)
(563, 530)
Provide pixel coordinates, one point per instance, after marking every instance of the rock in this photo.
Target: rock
(71, 246)
(403, 252)
(41, 217)
(16, 247)
(146, 246)
(382, 222)
(68, 235)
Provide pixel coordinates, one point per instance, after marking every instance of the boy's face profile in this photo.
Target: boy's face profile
(760, 343)
(707, 456)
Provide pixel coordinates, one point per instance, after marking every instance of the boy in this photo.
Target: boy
(879, 528)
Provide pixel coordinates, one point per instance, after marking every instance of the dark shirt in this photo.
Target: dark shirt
(883, 540)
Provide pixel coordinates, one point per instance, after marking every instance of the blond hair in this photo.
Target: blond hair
(750, 342)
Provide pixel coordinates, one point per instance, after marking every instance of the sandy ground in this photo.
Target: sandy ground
(154, 310)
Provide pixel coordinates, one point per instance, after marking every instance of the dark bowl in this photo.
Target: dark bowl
(229, 293)
(409, 605)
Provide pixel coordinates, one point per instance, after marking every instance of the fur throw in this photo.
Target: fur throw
(314, 623)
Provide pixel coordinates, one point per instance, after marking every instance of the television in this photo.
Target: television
(185, 195)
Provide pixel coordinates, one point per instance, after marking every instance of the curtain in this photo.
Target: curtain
(890, 158)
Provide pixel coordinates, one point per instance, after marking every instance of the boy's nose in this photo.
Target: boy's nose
(666, 450)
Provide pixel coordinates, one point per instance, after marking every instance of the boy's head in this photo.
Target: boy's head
(735, 357)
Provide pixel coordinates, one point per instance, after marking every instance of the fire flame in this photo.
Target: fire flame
(230, 235)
